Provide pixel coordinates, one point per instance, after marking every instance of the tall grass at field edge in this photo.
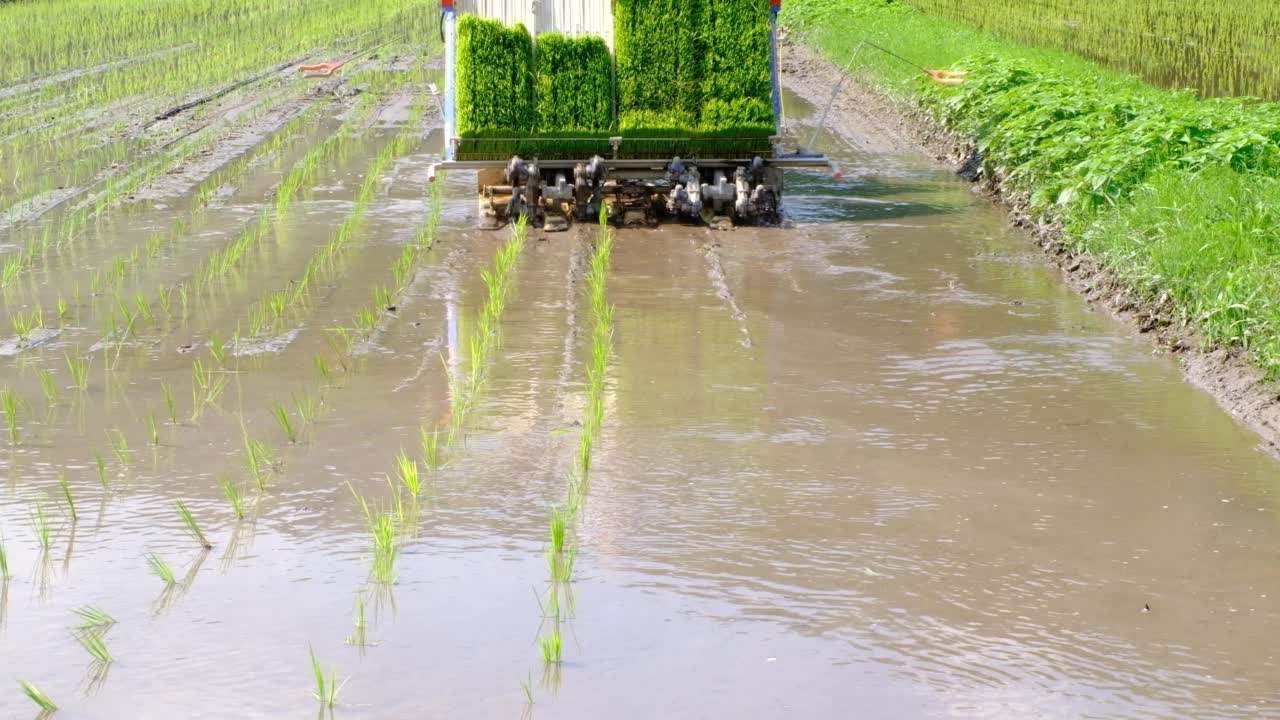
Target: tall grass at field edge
(1173, 194)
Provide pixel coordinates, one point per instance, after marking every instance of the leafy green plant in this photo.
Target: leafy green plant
(37, 697)
(552, 648)
(431, 447)
(66, 494)
(93, 618)
(170, 403)
(259, 459)
(40, 523)
(94, 644)
(234, 495)
(557, 530)
(79, 369)
(153, 428)
(285, 422)
(100, 464)
(50, 386)
(11, 404)
(407, 470)
(326, 687)
(161, 569)
(120, 446)
(192, 527)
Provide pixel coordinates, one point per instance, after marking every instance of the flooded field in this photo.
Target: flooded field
(882, 459)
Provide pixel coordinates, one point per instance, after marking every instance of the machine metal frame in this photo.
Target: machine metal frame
(634, 186)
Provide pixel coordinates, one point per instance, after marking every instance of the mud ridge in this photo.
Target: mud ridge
(720, 281)
(872, 121)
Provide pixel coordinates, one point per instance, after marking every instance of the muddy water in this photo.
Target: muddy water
(878, 464)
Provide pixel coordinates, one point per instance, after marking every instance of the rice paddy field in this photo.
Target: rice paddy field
(285, 436)
(1218, 48)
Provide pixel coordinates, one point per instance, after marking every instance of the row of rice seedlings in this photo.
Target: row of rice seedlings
(72, 225)
(562, 551)
(55, 150)
(112, 277)
(272, 307)
(220, 262)
(139, 258)
(486, 338)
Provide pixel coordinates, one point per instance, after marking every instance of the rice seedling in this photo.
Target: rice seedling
(366, 320)
(62, 309)
(322, 367)
(308, 409)
(120, 446)
(326, 688)
(100, 464)
(153, 427)
(360, 637)
(431, 447)
(259, 459)
(526, 686)
(383, 528)
(170, 403)
(4, 562)
(161, 569)
(95, 645)
(11, 404)
(165, 299)
(47, 706)
(23, 325)
(66, 494)
(49, 385)
(551, 648)
(285, 422)
(93, 618)
(207, 387)
(144, 309)
(560, 565)
(78, 368)
(557, 530)
(40, 523)
(218, 349)
(234, 495)
(192, 527)
(408, 473)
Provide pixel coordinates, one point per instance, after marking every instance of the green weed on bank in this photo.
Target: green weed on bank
(1171, 192)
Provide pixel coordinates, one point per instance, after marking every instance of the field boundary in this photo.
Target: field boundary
(872, 120)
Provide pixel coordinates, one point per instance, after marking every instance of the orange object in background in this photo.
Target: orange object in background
(947, 77)
(322, 69)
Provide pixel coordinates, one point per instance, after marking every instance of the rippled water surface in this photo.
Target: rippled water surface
(878, 464)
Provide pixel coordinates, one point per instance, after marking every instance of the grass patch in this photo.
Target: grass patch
(1169, 191)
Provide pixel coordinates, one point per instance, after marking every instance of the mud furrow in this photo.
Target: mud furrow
(720, 281)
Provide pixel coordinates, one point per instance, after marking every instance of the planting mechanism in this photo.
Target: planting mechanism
(556, 180)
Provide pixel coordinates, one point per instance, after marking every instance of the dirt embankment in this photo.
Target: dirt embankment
(872, 122)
